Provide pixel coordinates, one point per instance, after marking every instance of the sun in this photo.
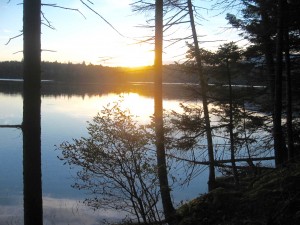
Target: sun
(135, 56)
(126, 56)
(135, 61)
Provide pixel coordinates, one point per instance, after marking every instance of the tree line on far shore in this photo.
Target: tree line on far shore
(90, 73)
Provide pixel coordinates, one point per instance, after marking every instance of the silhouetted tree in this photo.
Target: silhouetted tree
(229, 54)
(169, 211)
(203, 82)
(279, 142)
(289, 98)
(116, 166)
(258, 27)
(33, 207)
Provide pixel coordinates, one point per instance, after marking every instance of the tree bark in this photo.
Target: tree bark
(33, 207)
(268, 47)
(279, 143)
(169, 211)
(231, 136)
(211, 179)
(289, 100)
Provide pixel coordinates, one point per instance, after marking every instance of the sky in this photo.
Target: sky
(85, 37)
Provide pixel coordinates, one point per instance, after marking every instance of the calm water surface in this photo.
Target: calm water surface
(65, 116)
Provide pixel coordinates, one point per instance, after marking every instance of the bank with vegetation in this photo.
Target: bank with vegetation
(270, 197)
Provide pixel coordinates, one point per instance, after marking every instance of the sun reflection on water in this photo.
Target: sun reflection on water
(142, 107)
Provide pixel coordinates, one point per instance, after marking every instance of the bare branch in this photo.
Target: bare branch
(148, 40)
(62, 7)
(220, 163)
(47, 50)
(176, 40)
(10, 39)
(225, 5)
(11, 126)
(101, 18)
(17, 52)
(48, 23)
(142, 6)
(43, 50)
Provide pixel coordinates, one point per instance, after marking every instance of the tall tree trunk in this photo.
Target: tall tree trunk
(277, 128)
(169, 211)
(232, 145)
(32, 175)
(289, 111)
(268, 47)
(211, 179)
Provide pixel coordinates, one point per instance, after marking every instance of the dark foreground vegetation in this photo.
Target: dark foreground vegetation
(269, 198)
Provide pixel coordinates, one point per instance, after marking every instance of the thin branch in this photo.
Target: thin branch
(18, 52)
(102, 18)
(174, 41)
(42, 50)
(105, 58)
(220, 162)
(145, 41)
(10, 39)
(48, 23)
(47, 50)
(142, 6)
(11, 126)
(62, 7)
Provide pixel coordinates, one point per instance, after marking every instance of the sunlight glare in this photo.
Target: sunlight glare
(138, 105)
(141, 107)
(135, 56)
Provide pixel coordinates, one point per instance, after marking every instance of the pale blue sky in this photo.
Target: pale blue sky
(76, 39)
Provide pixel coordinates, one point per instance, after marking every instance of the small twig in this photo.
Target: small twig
(42, 50)
(47, 50)
(105, 58)
(17, 52)
(10, 39)
(48, 24)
